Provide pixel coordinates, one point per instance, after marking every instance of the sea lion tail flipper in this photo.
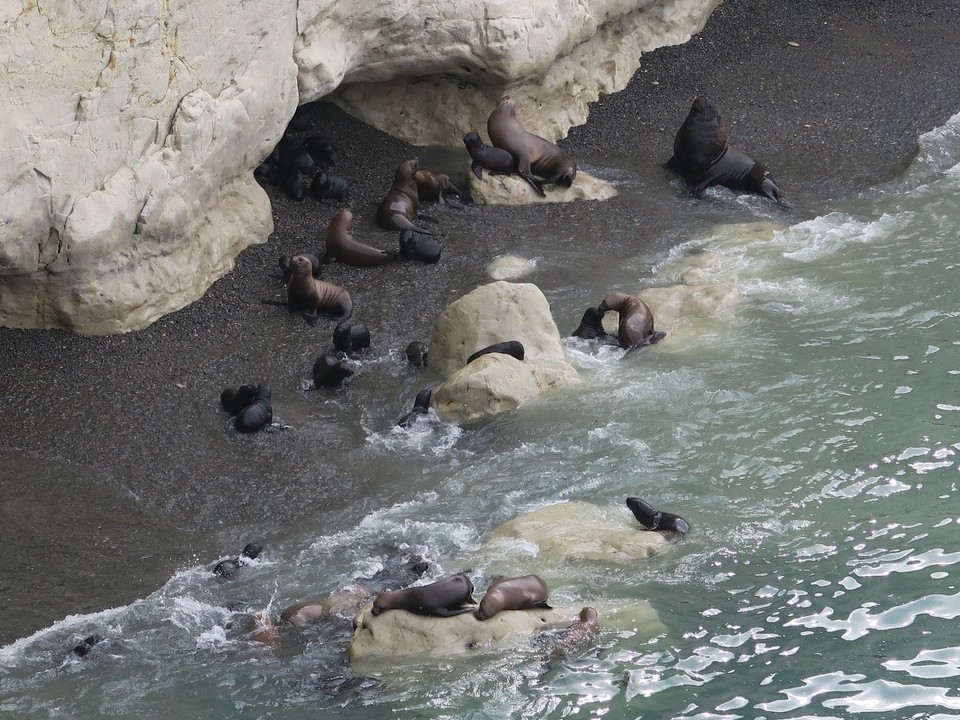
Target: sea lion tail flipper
(401, 222)
(477, 168)
(656, 337)
(769, 189)
(543, 606)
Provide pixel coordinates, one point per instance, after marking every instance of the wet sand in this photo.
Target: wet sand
(116, 467)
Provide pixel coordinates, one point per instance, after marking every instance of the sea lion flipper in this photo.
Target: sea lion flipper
(310, 317)
(543, 606)
(477, 168)
(402, 222)
(537, 187)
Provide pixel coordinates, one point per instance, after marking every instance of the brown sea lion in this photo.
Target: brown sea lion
(534, 154)
(434, 186)
(314, 297)
(444, 598)
(343, 246)
(262, 629)
(573, 638)
(399, 208)
(703, 157)
(519, 593)
(636, 320)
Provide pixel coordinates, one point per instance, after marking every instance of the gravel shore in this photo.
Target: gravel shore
(104, 488)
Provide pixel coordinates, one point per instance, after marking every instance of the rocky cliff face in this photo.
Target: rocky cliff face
(132, 128)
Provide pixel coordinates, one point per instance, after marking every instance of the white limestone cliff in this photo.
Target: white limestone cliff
(131, 129)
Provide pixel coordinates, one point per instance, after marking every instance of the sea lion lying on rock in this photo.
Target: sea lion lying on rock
(443, 598)
(518, 593)
(674, 526)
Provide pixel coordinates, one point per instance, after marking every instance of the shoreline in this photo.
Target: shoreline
(113, 418)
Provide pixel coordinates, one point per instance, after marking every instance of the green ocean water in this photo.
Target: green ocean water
(808, 432)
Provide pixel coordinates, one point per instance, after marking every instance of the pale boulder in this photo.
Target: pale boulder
(514, 190)
(510, 267)
(678, 304)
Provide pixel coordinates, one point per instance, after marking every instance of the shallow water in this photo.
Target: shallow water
(809, 436)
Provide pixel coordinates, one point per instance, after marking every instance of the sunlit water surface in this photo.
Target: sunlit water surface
(810, 437)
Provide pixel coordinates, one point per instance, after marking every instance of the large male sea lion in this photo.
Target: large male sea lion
(343, 246)
(314, 297)
(519, 593)
(534, 155)
(653, 519)
(636, 319)
(399, 208)
(444, 598)
(703, 157)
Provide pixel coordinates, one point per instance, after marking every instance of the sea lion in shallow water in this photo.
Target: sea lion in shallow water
(343, 246)
(534, 155)
(573, 638)
(653, 519)
(399, 208)
(702, 155)
(421, 406)
(314, 297)
(519, 593)
(444, 598)
(258, 414)
(513, 348)
(351, 337)
(417, 353)
(636, 320)
(227, 569)
(234, 401)
(329, 370)
(591, 325)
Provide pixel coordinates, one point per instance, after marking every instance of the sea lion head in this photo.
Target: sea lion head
(507, 105)
(589, 617)
(301, 266)
(472, 141)
(383, 602)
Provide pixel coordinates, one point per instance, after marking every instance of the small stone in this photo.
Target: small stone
(793, 43)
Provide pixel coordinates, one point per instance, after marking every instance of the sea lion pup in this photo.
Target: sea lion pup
(573, 638)
(227, 569)
(703, 157)
(421, 406)
(330, 370)
(84, 648)
(234, 401)
(518, 593)
(283, 262)
(417, 353)
(343, 246)
(262, 630)
(399, 208)
(514, 348)
(324, 150)
(443, 598)
(332, 187)
(434, 186)
(534, 154)
(258, 414)
(351, 337)
(636, 320)
(653, 519)
(414, 246)
(492, 159)
(314, 297)
(591, 325)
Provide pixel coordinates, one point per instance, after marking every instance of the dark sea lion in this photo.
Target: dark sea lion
(492, 159)
(514, 348)
(534, 155)
(258, 414)
(636, 320)
(416, 353)
(234, 401)
(283, 262)
(324, 150)
(343, 246)
(399, 208)
(434, 186)
(702, 155)
(291, 181)
(421, 406)
(351, 337)
(591, 325)
(314, 297)
(227, 569)
(414, 246)
(84, 648)
(653, 519)
(519, 593)
(330, 370)
(573, 638)
(330, 187)
(444, 598)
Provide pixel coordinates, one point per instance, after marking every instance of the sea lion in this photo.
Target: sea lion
(291, 181)
(332, 187)
(323, 149)
(414, 246)
(234, 401)
(636, 320)
(492, 159)
(421, 406)
(443, 598)
(314, 297)
(518, 593)
(534, 154)
(702, 155)
(514, 348)
(84, 648)
(343, 246)
(399, 208)
(262, 630)
(227, 569)
(591, 326)
(330, 370)
(283, 262)
(416, 353)
(573, 638)
(351, 337)
(258, 414)
(653, 519)
(434, 186)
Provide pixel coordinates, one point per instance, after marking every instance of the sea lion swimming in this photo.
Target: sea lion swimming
(399, 208)
(227, 569)
(534, 155)
(417, 353)
(258, 414)
(343, 246)
(329, 370)
(636, 320)
(653, 519)
(703, 157)
(573, 638)
(513, 348)
(519, 593)
(591, 325)
(314, 297)
(444, 598)
(421, 406)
